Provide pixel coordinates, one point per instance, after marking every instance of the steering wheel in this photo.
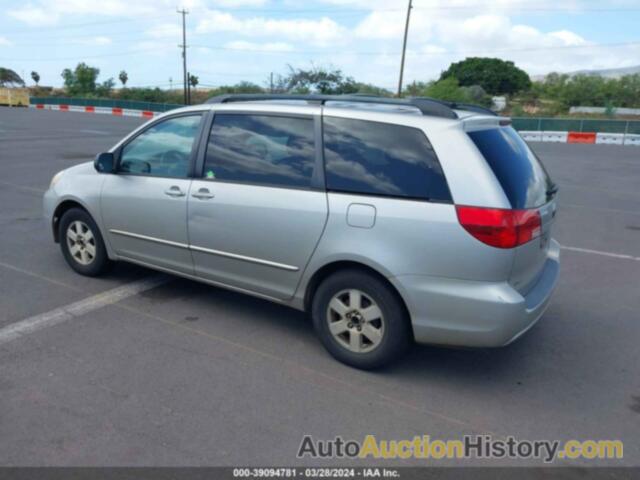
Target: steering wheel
(134, 165)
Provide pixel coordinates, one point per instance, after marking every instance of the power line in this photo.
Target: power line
(335, 11)
(286, 51)
(230, 75)
(444, 52)
(339, 11)
(532, 9)
(148, 86)
(330, 52)
(79, 25)
(72, 37)
(471, 6)
(531, 49)
(80, 57)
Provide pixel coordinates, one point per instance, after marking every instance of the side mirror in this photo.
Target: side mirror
(105, 163)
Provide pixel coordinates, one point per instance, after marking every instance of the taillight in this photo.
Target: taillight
(498, 227)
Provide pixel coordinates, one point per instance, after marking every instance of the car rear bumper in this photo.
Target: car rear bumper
(449, 311)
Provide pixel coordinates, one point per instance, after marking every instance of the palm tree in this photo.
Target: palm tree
(35, 76)
(9, 78)
(193, 80)
(123, 78)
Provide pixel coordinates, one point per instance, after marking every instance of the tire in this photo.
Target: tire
(336, 318)
(82, 244)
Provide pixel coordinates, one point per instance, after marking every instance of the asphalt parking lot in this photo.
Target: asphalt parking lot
(187, 374)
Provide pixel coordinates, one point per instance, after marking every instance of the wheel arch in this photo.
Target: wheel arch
(64, 206)
(335, 266)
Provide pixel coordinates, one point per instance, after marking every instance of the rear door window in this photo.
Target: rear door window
(523, 178)
(381, 159)
(262, 150)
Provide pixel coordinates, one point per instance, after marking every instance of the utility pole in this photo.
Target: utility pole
(184, 12)
(271, 83)
(404, 46)
(188, 88)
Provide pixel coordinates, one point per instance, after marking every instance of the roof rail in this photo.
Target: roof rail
(427, 106)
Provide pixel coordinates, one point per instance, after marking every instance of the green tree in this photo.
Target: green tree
(150, 95)
(447, 89)
(416, 89)
(35, 76)
(369, 89)
(477, 95)
(241, 87)
(495, 76)
(193, 80)
(609, 109)
(82, 80)
(316, 80)
(9, 78)
(517, 111)
(589, 90)
(104, 89)
(628, 91)
(123, 77)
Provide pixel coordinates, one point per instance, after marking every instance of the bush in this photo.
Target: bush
(590, 90)
(449, 90)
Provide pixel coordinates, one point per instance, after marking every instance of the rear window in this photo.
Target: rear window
(381, 159)
(523, 178)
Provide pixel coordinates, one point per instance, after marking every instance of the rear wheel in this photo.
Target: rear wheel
(82, 244)
(360, 319)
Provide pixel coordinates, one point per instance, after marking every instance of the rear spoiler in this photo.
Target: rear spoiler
(481, 122)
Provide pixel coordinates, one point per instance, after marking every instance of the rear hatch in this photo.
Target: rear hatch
(528, 187)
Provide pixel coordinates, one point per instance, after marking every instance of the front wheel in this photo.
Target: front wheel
(82, 244)
(360, 319)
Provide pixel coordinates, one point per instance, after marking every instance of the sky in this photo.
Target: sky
(234, 40)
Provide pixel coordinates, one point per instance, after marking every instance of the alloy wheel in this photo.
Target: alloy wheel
(81, 242)
(355, 321)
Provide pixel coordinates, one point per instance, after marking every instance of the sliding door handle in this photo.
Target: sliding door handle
(203, 194)
(174, 191)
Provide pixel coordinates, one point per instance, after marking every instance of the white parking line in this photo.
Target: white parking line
(604, 254)
(81, 307)
(95, 132)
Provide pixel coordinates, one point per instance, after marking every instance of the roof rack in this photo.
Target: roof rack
(427, 106)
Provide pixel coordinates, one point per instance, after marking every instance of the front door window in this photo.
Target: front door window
(164, 150)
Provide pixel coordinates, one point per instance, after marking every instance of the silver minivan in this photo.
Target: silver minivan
(389, 221)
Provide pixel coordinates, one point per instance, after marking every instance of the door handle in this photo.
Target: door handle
(203, 194)
(174, 191)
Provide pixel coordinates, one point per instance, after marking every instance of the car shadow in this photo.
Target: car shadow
(471, 365)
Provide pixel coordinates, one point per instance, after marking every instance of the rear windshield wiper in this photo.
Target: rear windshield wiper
(552, 190)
